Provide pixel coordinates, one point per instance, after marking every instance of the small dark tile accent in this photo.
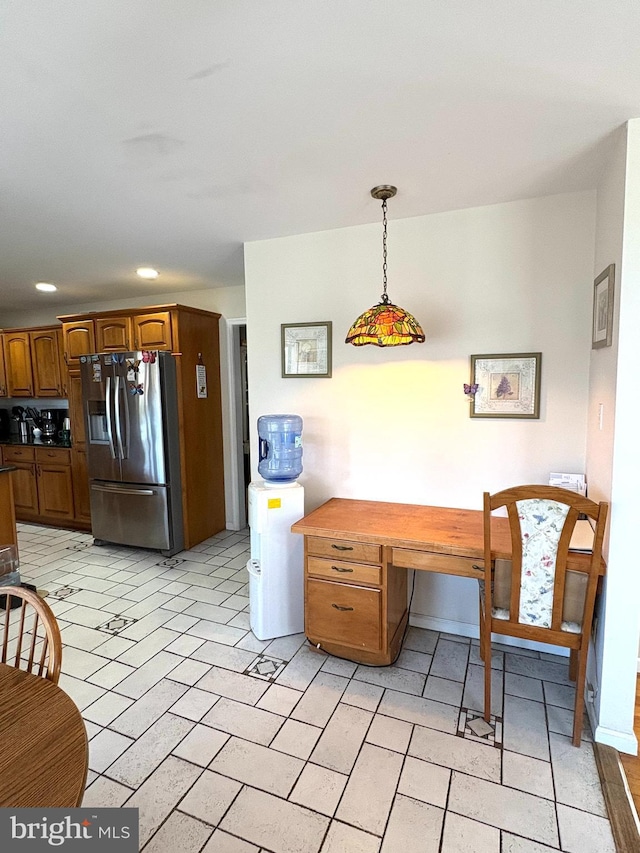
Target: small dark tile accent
(116, 624)
(266, 668)
(64, 592)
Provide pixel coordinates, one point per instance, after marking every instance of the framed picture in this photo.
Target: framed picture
(603, 288)
(508, 385)
(306, 350)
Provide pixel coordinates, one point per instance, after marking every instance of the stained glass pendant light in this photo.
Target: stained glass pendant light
(386, 324)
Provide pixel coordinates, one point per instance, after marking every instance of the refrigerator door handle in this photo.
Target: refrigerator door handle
(116, 396)
(119, 491)
(109, 418)
(125, 454)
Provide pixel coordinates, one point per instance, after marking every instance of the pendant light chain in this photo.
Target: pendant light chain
(384, 297)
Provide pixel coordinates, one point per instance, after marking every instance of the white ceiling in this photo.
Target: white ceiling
(168, 132)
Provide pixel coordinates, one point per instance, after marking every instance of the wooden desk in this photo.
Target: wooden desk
(43, 743)
(356, 554)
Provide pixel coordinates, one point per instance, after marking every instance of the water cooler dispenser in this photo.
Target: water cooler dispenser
(276, 575)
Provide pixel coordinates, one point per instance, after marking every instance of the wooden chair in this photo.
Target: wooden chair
(532, 595)
(34, 617)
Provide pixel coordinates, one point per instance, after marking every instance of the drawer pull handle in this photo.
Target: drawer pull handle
(343, 547)
(477, 568)
(340, 607)
(340, 569)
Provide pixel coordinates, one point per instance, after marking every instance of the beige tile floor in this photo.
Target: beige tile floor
(231, 745)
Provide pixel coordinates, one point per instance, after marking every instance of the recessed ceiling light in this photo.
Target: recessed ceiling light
(44, 285)
(147, 272)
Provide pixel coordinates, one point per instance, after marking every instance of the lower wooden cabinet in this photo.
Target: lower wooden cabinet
(80, 478)
(25, 490)
(43, 486)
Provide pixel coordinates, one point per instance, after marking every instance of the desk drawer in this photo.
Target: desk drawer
(18, 454)
(359, 552)
(338, 570)
(344, 614)
(448, 564)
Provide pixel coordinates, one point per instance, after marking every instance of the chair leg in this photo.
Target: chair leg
(578, 711)
(573, 664)
(481, 623)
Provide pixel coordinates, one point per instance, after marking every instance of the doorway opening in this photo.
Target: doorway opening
(240, 461)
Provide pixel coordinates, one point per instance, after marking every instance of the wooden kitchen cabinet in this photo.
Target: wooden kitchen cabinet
(152, 331)
(355, 602)
(80, 481)
(42, 483)
(17, 355)
(55, 487)
(3, 374)
(113, 334)
(32, 362)
(45, 362)
(25, 485)
(78, 338)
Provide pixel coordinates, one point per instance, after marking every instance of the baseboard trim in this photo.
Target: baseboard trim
(621, 741)
(468, 629)
(623, 816)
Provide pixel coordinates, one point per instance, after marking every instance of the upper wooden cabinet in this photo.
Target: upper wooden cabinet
(32, 363)
(113, 334)
(45, 362)
(152, 331)
(3, 375)
(17, 355)
(119, 331)
(78, 338)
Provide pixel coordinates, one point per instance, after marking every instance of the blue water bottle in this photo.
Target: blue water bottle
(280, 448)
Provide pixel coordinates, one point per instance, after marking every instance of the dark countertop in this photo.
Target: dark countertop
(14, 441)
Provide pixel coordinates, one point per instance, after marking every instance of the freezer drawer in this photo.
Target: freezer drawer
(131, 515)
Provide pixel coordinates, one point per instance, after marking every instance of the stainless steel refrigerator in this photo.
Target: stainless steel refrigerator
(133, 449)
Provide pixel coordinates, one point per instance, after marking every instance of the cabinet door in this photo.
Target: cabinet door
(25, 489)
(45, 361)
(344, 614)
(3, 375)
(78, 338)
(113, 334)
(76, 412)
(17, 353)
(152, 331)
(55, 490)
(80, 478)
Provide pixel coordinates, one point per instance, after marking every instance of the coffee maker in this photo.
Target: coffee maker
(48, 425)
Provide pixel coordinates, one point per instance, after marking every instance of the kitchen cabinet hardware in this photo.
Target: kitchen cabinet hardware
(342, 547)
(341, 607)
(341, 569)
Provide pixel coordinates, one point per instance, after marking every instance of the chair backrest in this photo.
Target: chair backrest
(534, 590)
(30, 634)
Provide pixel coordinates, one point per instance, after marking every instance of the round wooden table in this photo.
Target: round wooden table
(43, 743)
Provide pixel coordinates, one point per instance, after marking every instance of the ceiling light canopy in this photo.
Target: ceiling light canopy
(147, 272)
(386, 324)
(46, 287)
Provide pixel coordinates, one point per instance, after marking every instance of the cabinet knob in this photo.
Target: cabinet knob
(341, 607)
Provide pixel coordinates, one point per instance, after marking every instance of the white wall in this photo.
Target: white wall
(612, 450)
(227, 301)
(393, 424)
